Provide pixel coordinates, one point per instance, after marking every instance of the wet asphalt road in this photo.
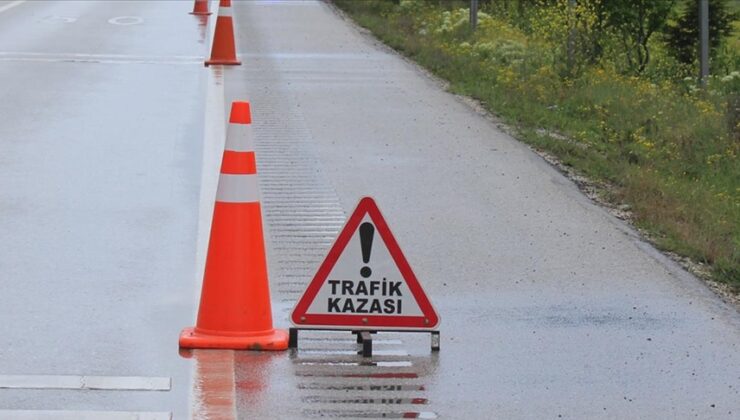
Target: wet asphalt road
(100, 154)
(550, 307)
(109, 150)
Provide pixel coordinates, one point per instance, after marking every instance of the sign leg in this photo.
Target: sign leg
(293, 338)
(435, 340)
(367, 344)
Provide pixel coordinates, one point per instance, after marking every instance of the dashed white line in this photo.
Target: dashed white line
(119, 383)
(11, 5)
(82, 415)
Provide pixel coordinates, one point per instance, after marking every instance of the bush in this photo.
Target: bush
(682, 36)
(669, 148)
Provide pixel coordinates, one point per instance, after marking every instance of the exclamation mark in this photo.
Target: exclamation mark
(367, 231)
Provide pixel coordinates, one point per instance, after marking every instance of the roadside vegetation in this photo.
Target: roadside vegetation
(610, 88)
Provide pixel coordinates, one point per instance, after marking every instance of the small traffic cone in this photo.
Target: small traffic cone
(223, 50)
(235, 310)
(200, 8)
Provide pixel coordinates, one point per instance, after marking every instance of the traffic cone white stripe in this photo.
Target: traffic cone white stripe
(239, 138)
(238, 188)
(224, 12)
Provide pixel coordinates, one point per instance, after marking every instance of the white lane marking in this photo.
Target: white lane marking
(122, 383)
(212, 382)
(96, 61)
(82, 415)
(99, 58)
(125, 20)
(214, 139)
(11, 5)
(55, 19)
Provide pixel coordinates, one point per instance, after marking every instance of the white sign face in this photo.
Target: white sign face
(365, 282)
(358, 285)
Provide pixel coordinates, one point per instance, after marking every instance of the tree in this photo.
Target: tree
(682, 36)
(636, 21)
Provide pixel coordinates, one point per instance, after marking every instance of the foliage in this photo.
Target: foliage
(682, 36)
(577, 31)
(593, 27)
(636, 21)
(669, 148)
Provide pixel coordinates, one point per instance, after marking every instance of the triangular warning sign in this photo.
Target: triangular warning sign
(365, 282)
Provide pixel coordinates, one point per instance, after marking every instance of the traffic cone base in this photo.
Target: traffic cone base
(200, 8)
(223, 62)
(274, 339)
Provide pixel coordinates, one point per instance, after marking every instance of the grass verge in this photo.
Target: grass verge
(667, 151)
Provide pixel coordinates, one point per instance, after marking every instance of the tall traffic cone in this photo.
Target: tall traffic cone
(223, 50)
(200, 8)
(235, 310)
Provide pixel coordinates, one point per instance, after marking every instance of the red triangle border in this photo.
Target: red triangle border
(428, 321)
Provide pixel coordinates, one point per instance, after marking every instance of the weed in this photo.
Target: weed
(669, 148)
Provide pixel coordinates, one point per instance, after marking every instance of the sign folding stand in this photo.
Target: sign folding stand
(365, 285)
(364, 337)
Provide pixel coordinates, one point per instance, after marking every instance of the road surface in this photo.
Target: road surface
(110, 146)
(100, 158)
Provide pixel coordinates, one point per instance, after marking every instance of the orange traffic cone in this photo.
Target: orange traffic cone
(200, 8)
(223, 50)
(235, 310)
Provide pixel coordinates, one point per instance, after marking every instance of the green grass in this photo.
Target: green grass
(669, 151)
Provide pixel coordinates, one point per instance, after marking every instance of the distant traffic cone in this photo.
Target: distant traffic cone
(223, 50)
(200, 8)
(235, 310)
